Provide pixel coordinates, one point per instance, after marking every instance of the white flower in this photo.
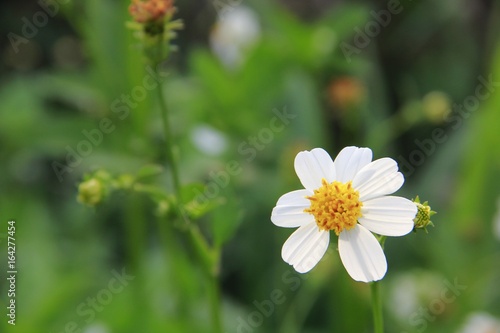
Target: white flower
(481, 322)
(350, 197)
(234, 34)
(209, 140)
(409, 290)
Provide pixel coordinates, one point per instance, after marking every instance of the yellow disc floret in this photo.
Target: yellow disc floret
(335, 206)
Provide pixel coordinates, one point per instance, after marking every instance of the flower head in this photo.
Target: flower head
(423, 218)
(349, 196)
(233, 35)
(151, 10)
(481, 322)
(153, 18)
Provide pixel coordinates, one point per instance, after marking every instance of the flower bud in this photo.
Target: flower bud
(95, 188)
(152, 19)
(423, 217)
(91, 192)
(149, 11)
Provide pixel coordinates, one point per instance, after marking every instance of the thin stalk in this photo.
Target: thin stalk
(381, 240)
(165, 118)
(215, 305)
(166, 127)
(378, 319)
(208, 257)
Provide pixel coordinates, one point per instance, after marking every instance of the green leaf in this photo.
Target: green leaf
(148, 171)
(196, 202)
(226, 219)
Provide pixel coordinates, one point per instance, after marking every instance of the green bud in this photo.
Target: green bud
(94, 188)
(91, 192)
(423, 217)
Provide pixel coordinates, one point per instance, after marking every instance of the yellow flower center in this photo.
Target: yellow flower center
(335, 206)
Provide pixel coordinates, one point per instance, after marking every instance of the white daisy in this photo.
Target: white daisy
(348, 196)
(481, 322)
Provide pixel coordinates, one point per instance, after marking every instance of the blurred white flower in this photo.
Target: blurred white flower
(208, 140)
(480, 322)
(233, 34)
(409, 291)
(350, 197)
(496, 221)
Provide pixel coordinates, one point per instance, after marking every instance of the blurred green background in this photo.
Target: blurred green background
(418, 81)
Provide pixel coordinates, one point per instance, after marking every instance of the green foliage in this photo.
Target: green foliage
(53, 141)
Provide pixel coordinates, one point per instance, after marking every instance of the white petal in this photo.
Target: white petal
(292, 220)
(362, 255)
(289, 210)
(312, 166)
(349, 161)
(295, 198)
(380, 177)
(389, 216)
(305, 247)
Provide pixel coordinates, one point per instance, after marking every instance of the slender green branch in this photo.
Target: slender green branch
(169, 146)
(210, 260)
(210, 257)
(167, 128)
(215, 305)
(378, 319)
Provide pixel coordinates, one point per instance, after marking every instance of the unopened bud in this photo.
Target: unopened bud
(423, 218)
(91, 192)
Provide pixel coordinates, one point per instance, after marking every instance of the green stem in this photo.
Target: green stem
(378, 319)
(210, 259)
(207, 256)
(168, 135)
(381, 240)
(215, 303)
(169, 138)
